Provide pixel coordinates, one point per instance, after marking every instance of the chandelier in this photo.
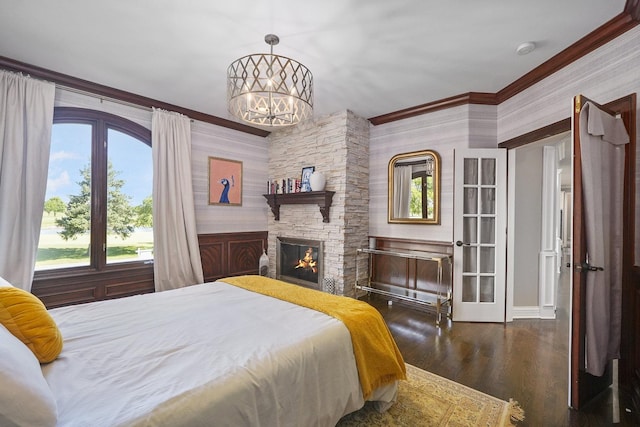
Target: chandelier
(269, 90)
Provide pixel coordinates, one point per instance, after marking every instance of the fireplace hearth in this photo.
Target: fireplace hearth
(299, 261)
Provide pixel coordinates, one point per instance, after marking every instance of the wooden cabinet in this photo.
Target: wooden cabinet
(231, 254)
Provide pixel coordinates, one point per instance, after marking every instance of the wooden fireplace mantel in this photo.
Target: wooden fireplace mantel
(321, 198)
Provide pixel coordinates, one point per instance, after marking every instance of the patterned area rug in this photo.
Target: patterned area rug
(429, 400)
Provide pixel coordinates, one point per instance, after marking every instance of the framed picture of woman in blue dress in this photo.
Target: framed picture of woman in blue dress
(225, 182)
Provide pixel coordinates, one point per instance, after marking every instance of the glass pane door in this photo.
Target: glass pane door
(480, 214)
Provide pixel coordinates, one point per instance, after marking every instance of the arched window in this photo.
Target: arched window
(97, 213)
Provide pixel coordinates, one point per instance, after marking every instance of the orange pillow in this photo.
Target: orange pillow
(26, 317)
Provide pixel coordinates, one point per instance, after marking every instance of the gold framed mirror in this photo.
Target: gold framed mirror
(414, 188)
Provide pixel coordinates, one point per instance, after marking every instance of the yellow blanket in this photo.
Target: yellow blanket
(377, 357)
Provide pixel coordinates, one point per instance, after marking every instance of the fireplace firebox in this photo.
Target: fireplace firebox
(299, 261)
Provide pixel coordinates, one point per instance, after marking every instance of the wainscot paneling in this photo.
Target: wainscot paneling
(231, 254)
(223, 254)
(60, 288)
(410, 274)
(391, 243)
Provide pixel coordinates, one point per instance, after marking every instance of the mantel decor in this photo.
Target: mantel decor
(321, 198)
(317, 181)
(304, 180)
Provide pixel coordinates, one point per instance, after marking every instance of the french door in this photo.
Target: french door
(480, 218)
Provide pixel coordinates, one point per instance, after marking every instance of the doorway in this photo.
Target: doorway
(630, 353)
(539, 186)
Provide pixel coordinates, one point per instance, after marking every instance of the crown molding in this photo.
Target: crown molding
(462, 99)
(620, 24)
(607, 32)
(597, 38)
(121, 95)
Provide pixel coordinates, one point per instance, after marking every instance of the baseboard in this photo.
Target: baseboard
(547, 313)
(524, 312)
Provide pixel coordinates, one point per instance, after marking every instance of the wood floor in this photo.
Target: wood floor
(526, 360)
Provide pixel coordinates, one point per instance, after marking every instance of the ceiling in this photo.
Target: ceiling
(369, 56)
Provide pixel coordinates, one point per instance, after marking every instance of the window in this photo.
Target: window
(422, 196)
(97, 210)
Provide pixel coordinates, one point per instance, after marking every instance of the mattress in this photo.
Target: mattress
(210, 354)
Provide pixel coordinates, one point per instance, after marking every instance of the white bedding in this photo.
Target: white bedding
(210, 354)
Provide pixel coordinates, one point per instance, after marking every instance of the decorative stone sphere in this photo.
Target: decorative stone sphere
(317, 181)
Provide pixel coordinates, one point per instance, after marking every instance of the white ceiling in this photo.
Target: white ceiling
(370, 56)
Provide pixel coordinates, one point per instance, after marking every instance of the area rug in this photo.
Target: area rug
(428, 400)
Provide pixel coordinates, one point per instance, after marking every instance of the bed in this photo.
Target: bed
(210, 354)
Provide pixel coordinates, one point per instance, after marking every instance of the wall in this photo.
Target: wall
(68, 98)
(466, 126)
(605, 74)
(338, 146)
(527, 216)
(206, 140)
(528, 224)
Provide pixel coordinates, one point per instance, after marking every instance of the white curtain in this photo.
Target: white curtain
(176, 252)
(26, 118)
(402, 191)
(602, 139)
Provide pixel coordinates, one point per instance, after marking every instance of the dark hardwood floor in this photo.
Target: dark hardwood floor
(526, 360)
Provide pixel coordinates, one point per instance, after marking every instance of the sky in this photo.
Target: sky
(71, 151)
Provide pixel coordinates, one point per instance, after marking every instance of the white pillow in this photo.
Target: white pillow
(4, 282)
(25, 396)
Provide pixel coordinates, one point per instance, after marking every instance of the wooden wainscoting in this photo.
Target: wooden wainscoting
(390, 243)
(411, 275)
(231, 254)
(223, 254)
(57, 288)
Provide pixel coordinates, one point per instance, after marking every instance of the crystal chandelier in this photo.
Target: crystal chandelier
(269, 90)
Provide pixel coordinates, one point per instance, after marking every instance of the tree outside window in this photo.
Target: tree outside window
(98, 206)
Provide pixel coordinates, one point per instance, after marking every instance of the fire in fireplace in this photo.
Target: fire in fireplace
(299, 261)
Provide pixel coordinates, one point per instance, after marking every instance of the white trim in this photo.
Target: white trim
(547, 258)
(511, 232)
(480, 311)
(547, 278)
(525, 312)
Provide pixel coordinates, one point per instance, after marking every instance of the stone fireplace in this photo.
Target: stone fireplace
(338, 146)
(300, 261)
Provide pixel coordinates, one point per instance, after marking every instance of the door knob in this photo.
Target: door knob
(587, 267)
(460, 243)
